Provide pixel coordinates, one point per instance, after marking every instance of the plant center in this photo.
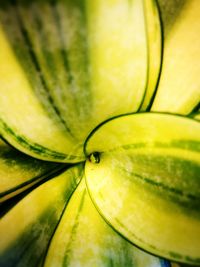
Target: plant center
(94, 157)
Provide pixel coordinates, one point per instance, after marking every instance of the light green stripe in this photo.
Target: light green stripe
(12, 24)
(40, 150)
(38, 214)
(84, 239)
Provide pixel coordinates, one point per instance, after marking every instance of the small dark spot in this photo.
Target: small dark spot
(94, 157)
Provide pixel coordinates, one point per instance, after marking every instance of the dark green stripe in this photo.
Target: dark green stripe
(35, 60)
(168, 254)
(160, 185)
(31, 245)
(189, 145)
(63, 50)
(18, 37)
(168, 177)
(66, 104)
(76, 57)
(39, 70)
(72, 95)
(51, 173)
(36, 148)
(66, 259)
(161, 116)
(74, 184)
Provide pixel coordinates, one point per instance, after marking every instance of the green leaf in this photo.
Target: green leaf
(147, 184)
(178, 90)
(154, 42)
(19, 172)
(33, 123)
(84, 239)
(118, 56)
(28, 227)
(73, 64)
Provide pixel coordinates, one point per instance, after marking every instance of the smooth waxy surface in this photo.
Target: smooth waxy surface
(119, 55)
(147, 183)
(83, 238)
(28, 227)
(73, 68)
(18, 171)
(154, 43)
(66, 66)
(178, 89)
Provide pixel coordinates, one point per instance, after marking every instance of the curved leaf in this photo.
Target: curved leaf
(84, 239)
(28, 227)
(154, 42)
(19, 171)
(29, 119)
(147, 183)
(66, 66)
(118, 56)
(178, 89)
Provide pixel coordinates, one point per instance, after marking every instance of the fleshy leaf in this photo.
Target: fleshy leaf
(178, 89)
(29, 118)
(67, 66)
(19, 172)
(27, 228)
(118, 56)
(84, 239)
(146, 181)
(154, 43)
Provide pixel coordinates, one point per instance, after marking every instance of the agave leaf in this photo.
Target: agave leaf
(67, 66)
(84, 239)
(147, 183)
(28, 227)
(118, 56)
(178, 89)
(29, 119)
(19, 172)
(154, 43)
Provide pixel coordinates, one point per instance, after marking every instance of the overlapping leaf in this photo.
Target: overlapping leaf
(146, 181)
(84, 239)
(19, 172)
(66, 66)
(178, 90)
(27, 228)
(74, 64)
